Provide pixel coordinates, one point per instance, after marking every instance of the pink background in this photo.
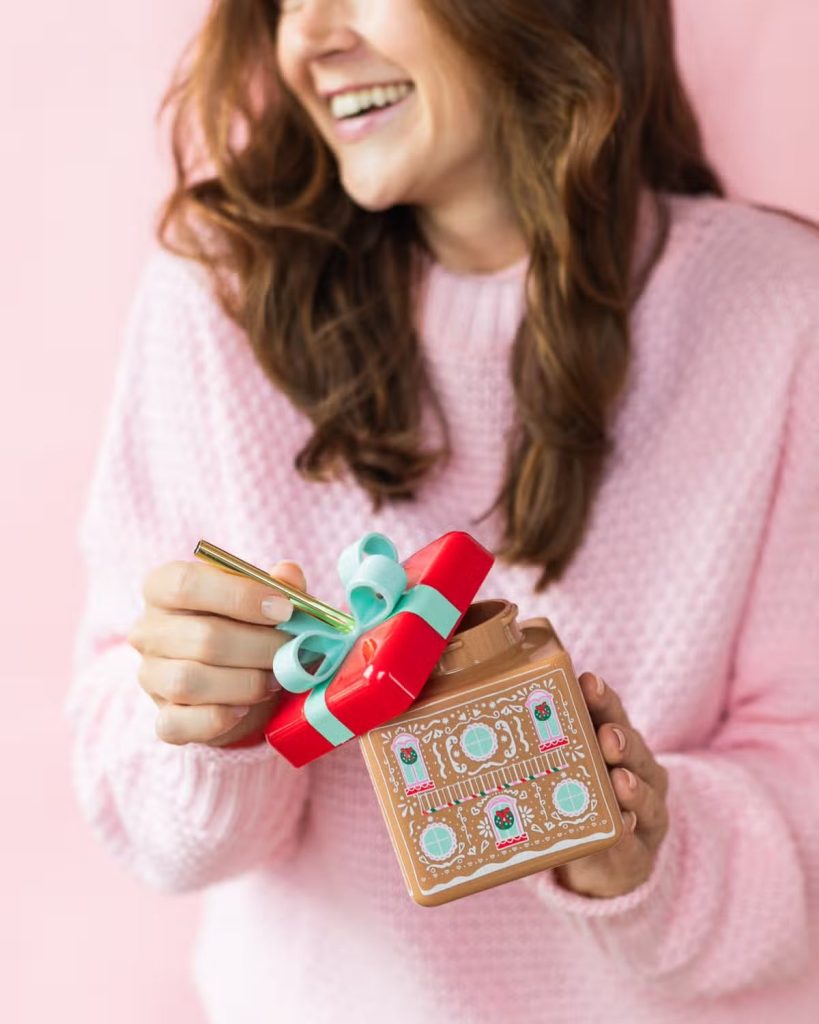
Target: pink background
(83, 170)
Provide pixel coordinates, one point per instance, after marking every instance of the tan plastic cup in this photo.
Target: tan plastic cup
(495, 771)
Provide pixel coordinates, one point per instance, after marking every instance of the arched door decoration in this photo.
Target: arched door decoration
(504, 818)
(541, 707)
(410, 760)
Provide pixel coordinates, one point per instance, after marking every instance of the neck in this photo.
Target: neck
(472, 234)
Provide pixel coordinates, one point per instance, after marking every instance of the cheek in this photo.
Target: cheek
(288, 66)
(455, 119)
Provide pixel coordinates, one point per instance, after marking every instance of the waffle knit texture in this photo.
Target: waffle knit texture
(695, 594)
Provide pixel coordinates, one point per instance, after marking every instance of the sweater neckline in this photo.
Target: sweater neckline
(513, 271)
(473, 313)
(465, 313)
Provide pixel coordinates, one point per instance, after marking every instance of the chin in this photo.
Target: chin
(375, 194)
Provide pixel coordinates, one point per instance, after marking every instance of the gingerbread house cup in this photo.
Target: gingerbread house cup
(495, 771)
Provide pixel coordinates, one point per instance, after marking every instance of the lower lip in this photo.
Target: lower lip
(357, 127)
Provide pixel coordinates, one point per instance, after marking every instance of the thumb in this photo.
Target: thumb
(290, 572)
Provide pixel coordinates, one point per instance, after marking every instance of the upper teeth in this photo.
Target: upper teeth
(346, 104)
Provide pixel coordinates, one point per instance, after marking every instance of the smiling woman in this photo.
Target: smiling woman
(414, 150)
(526, 239)
(529, 132)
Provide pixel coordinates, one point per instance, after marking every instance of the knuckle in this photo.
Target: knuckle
(181, 583)
(649, 813)
(172, 584)
(205, 639)
(655, 817)
(618, 709)
(181, 683)
(148, 636)
(641, 749)
(611, 698)
(154, 583)
(145, 675)
(134, 638)
(653, 809)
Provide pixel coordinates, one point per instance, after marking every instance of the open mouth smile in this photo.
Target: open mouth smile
(356, 114)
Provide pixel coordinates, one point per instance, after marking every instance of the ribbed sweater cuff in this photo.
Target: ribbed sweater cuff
(655, 893)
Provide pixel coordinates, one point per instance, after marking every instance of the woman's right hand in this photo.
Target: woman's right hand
(207, 650)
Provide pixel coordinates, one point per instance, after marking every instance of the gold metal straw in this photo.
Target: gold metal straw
(301, 599)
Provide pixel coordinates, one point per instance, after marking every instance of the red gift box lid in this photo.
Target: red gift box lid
(388, 665)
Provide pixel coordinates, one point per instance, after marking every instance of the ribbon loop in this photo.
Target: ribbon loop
(368, 544)
(375, 588)
(375, 582)
(313, 642)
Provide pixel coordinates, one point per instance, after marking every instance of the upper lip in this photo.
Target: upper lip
(366, 85)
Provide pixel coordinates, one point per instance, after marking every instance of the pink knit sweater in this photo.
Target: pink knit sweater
(695, 594)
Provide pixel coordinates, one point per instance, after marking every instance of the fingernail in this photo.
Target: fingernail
(277, 608)
(632, 824)
(238, 711)
(273, 684)
(599, 686)
(620, 737)
(631, 781)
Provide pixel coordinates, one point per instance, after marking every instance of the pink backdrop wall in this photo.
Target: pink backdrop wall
(82, 170)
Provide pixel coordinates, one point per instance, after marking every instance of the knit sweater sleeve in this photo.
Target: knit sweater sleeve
(179, 817)
(735, 886)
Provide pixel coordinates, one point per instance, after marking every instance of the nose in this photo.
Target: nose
(317, 27)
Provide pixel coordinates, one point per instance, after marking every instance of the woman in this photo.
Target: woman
(511, 299)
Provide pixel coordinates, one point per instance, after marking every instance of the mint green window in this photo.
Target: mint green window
(478, 741)
(570, 797)
(438, 841)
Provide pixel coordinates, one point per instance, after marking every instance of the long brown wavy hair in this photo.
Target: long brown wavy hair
(588, 109)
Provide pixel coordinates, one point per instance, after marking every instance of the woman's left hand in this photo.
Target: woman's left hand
(640, 784)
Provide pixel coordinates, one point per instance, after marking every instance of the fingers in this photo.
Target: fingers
(603, 703)
(179, 725)
(634, 755)
(192, 683)
(620, 742)
(646, 815)
(207, 647)
(622, 745)
(180, 636)
(199, 587)
(207, 639)
(640, 786)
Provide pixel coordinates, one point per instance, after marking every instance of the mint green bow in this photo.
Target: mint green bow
(375, 582)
